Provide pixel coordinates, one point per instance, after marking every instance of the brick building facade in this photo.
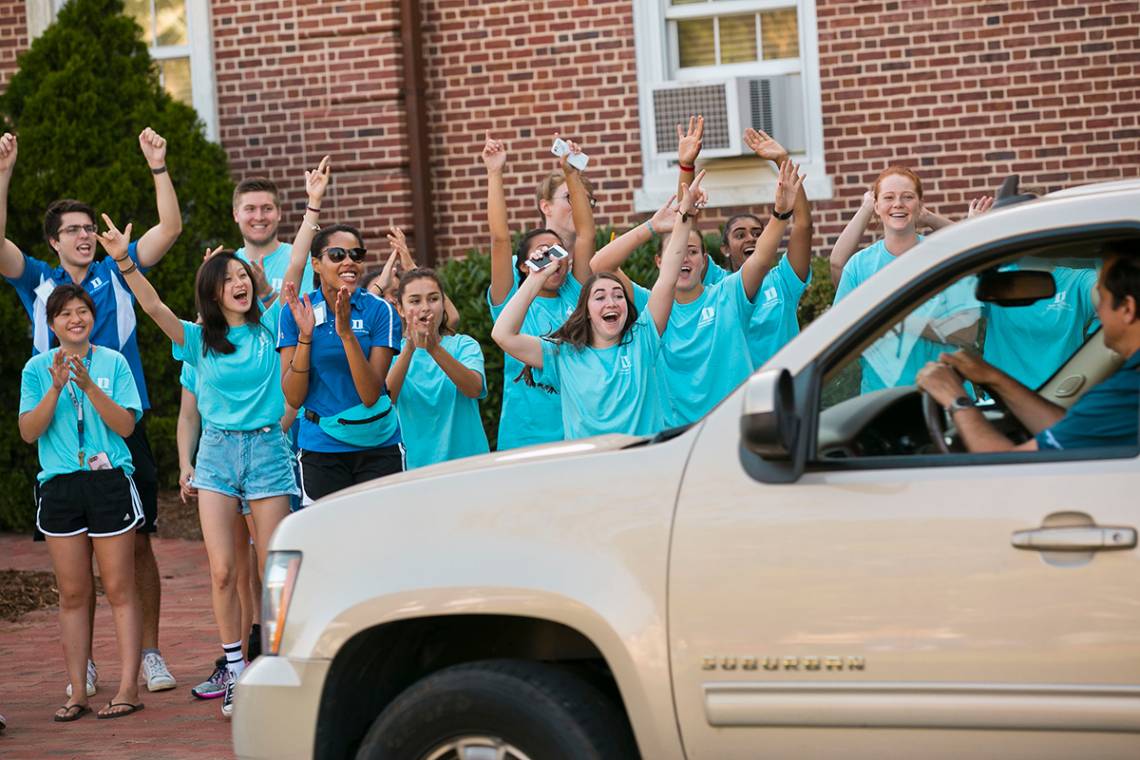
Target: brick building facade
(964, 91)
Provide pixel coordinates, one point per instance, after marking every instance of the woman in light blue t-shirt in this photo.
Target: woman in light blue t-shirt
(438, 378)
(243, 452)
(530, 415)
(602, 362)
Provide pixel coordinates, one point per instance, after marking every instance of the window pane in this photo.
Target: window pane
(696, 43)
(176, 79)
(738, 38)
(139, 10)
(171, 22)
(781, 38)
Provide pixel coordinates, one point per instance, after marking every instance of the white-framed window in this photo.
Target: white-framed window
(177, 33)
(688, 41)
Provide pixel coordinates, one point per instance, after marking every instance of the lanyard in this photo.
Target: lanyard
(78, 404)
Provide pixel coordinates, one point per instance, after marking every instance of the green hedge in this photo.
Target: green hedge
(83, 92)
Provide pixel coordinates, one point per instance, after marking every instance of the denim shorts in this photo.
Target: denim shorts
(246, 464)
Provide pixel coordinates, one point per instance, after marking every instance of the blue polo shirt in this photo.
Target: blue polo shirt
(1107, 415)
(115, 324)
(59, 444)
(331, 390)
(277, 262)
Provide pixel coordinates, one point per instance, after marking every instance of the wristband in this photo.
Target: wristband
(298, 371)
(684, 168)
(132, 268)
(782, 216)
(122, 259)
(304, 342)
(314, 210)
(649, 226)
(159, 170)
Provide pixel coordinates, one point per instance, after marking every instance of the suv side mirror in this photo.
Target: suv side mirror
(769, 424)
(1018, 287)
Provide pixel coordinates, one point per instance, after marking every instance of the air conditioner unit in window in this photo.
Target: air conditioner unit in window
(774, 104)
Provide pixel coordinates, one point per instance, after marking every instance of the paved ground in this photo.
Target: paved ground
(174, 725)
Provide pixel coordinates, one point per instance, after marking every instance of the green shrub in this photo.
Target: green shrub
(83, 92)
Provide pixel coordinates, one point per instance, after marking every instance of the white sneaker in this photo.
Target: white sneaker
(228, 698)
(158, 676)
(92, 680)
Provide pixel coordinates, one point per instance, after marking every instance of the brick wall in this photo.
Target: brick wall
(964, 91)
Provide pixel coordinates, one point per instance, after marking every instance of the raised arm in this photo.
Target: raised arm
(154, 244)
(316, 181)
(400, 248)
(115, 243)
(295, 360)
(693, 199)
(688, 149)
(799, 238)
(11, 260)
(502, 266)
(506, 332)
(852, 235)
(615, 252)
(756, 267)
(585, 235)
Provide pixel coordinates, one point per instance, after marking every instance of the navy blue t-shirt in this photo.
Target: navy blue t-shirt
(1108, 415)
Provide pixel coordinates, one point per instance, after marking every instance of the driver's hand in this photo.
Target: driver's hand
(972, 367)
(941, 382)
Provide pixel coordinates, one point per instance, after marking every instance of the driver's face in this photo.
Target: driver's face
(1114, 319)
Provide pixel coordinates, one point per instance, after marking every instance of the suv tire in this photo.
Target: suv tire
(538, 710)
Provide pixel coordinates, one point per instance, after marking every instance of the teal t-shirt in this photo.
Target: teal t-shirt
(608, 390)
(59, 444)
(438, 422)
(529, 414)
(188, 377)
(705, 349)
(896, 358)
(242, 390)
(775, 319)
(275, 265)
(1031, 342)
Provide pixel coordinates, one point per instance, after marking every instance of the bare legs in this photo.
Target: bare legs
(216, 512)
(149, 589)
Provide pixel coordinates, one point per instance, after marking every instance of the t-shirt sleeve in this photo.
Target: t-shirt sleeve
(188, 378)
(286, 330)
(35, 271)
(849, 280)
(551, 369)
(271, 317)
(31, 387)
(714, 273)
(646, 335)
(730, 293)
(469, 353)
(191, 343)
(125, 391)
(497, 309)
(386, 331)
(1103, 417)
(641, 297)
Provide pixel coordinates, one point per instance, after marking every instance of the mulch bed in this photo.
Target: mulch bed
(178, 520)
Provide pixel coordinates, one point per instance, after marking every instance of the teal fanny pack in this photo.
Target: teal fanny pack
(360, 425)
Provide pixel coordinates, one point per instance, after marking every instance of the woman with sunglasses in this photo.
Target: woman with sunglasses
(337, 344)
(531, 414)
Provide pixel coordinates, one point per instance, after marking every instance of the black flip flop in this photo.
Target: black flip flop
(108, 716)
(69, 716)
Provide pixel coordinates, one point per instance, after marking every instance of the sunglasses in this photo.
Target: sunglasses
(336, 255)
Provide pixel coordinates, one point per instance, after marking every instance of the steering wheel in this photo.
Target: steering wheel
(936, 423)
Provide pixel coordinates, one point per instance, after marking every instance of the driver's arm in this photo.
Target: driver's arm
(981, 437)
(1033, 411)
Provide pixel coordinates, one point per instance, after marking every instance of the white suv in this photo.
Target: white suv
(803, 573)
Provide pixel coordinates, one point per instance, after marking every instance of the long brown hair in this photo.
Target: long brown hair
(577, 331)
(424, 273)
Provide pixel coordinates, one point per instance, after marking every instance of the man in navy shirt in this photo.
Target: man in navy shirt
(69, 228)
(1107, 415)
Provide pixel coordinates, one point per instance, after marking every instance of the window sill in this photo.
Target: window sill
(731, 182)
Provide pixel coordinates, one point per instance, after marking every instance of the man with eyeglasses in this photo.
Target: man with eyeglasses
(69, 228)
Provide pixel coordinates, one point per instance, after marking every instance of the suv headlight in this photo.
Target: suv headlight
(280, 576)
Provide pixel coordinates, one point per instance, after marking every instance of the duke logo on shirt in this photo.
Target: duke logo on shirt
(1060, 303)
(708, 314)
(104, 383)
(97, 283)
(358, 325)
(624, 364)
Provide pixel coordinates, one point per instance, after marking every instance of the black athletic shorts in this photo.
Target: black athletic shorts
(324, 473)
(145, 478)
(100, 503)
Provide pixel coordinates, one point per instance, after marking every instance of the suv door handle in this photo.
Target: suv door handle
(1074, 539)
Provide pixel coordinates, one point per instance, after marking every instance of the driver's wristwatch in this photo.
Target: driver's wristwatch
(960, 403)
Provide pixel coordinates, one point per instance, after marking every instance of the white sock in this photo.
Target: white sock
(235, 663)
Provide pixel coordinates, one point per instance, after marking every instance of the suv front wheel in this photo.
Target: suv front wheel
(513, 709)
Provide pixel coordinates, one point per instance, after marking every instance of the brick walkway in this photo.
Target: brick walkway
(174, 725)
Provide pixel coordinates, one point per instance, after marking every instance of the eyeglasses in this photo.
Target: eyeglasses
(74, 229)
(336, 255)
(566, 197)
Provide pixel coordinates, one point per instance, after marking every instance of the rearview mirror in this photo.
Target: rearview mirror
(768, 424)
(1018, 287)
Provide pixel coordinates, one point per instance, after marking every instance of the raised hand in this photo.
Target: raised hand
(980, 206)
(869, 199)
(7, 154)
(211, 252)
(317, 181)
(693, 196)
(59, 369)
(425, 333)
(665, 217)
(494, 154)
(115, 243)
(261, 284)
(79, 372)
(343, 311)
(153, 147)
(972, 367)
(789, 183)
(689, 141)
(301, 308)
(764, 146)
(564, 161)
(399, 242)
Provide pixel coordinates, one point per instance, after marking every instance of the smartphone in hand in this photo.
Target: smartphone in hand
(553, 253)
(578, 160)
